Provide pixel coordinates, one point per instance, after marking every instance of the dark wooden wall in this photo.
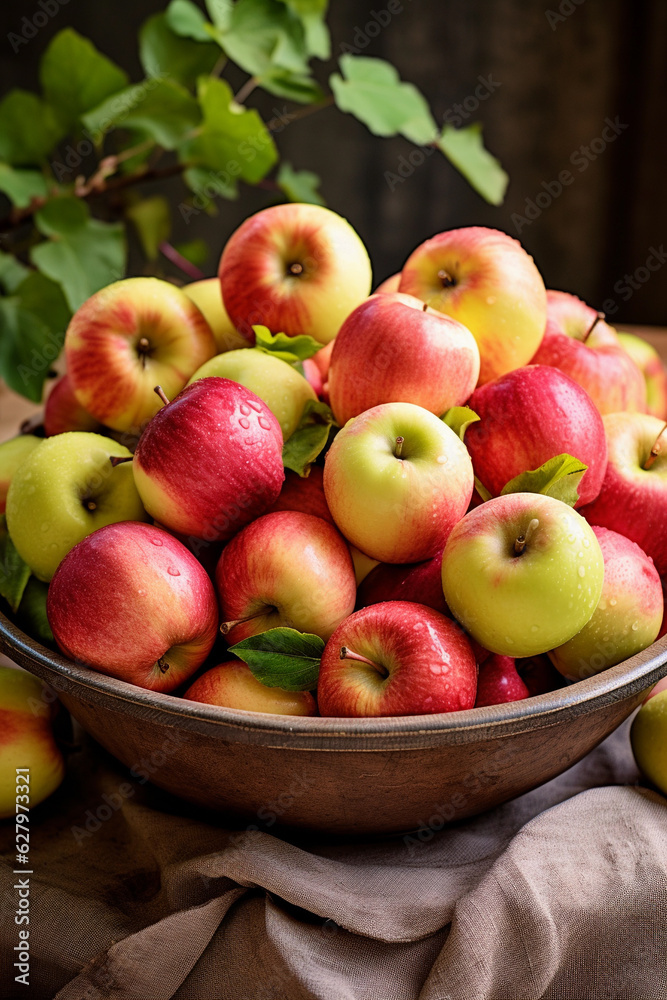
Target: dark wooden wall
(554, 83)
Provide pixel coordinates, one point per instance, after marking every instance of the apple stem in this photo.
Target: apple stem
(522, 540)
(143, 347)
(598, 317)
(226, 627)
(399, 446)
(349, 654)
(90, 505)
(446, 279)
(295, 269)
(425, 307)
(119, 459)
(655, 450)
(159, 391)
(163, 665)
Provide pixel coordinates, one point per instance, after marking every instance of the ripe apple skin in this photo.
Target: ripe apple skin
(528, 603)
(362, 563)
(599, 365)
(210, 461)
(304, 494)
(113, 376)
(484, 279)
(26, 740)
(392, 348)
(649, 740)
(418, 582)
(284, 390)
(652, 368)
(390, 284)
(207, 296)
(258, 285)
(289, 569)
(128, 596)
(51, 497)
(527, 417)
(633, 499)
(539, 675)
(63, 411)
(627, 618)
(401, 509)
(322, 359)
(232, 685)
(427, 660)
(312, 374)
(499, 682)
(13, 454)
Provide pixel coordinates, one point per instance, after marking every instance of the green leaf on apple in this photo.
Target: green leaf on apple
(81, 254)
(283, 658)
(167, 53)
(372, 91)
(14, 573)
(309, 439)
(459, 418)
(21, 186)
(289, 349)
(558, 478)
(75, 77)
(163, 109)
(298, 185)
(465, 149)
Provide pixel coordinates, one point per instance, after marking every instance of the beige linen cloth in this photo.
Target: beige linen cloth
(559, 894)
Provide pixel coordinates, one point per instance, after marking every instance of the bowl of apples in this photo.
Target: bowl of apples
(345, 562)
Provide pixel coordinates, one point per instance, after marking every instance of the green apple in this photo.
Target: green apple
(66, 489)
(522, 573)
(207, 296)
(12, 454)
(649, 739)
(26, 742)
(282, 388)
(397, 479)
(652, 368)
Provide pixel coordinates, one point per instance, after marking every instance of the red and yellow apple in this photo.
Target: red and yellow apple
(305, 494)
(207, 296)
(652, 368)
(63, 411)
(499, 682)
(417, 582)
(233, 685)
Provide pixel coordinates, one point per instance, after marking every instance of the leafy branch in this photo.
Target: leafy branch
(72, 155)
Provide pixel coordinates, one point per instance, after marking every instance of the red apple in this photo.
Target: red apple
(393, 348)
(499, 682)
(306, 495)
(295, 268)
(396, 658)
(633, 497)
(288, 569)
(232, 685)
(529, 416)
(417, 582)
(128, 338)
(539, 675)
(133, 603)
(487, 281)
(583, 346)
(63, 411)
(389, 284)
(210, 461)
(313, 376)
(322, 359)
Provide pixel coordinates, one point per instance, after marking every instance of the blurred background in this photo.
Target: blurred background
(574, 86)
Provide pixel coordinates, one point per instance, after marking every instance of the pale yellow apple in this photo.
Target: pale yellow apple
(12, 454)
(207, 296)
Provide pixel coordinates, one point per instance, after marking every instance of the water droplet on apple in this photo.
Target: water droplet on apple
(571, 539)
(256, 406)
(245, 409)
(442, 460)
(635, 626)
(612, 601)
(534, 628)
(172, 571)
(156, 541)
(580, 555)
(587, 543)
(581, 571)
(490, 300)
(602, 604)
(245, 423)
(263, 422)
(141, 593)
(508, 640)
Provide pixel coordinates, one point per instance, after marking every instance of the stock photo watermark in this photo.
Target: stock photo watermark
(626, 286)
(565, 10)
(30, 26)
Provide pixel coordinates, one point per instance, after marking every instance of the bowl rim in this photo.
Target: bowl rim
(621, 682)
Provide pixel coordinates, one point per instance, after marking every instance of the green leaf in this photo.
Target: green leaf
(14, 573)
(559, 478)
(294, 86)
(371, 90)
(31, 614)
(464, 148)
(299, 185)
(459, 418)
(482, 490)
(186, 20)
(311, 13)
(29, 128)
(305, 444)
(165, 54)
(21, 186)
(32, 330)
(232, 139)
(259, 35)
(75, 77)
(161, 108)
(12, 271)
(220, 12)
(82, 254)
(283, 658)
(289, 349)
(151, 218)
(208, 185)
